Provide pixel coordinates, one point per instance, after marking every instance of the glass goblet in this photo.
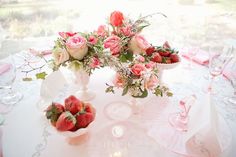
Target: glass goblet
(219, 57)
(179, 120)
(7, 78)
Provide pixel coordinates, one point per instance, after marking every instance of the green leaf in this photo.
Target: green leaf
(140, 28)
(144, 94)
(129, 56)
(110, 89)
(125, 90)
(122, 58)
(158, 92)
(27, 79)
(169, 94)
(41, 75)
(75, 65)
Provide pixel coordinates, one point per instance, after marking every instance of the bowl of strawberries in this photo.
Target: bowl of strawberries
(71, 119)
(164, 56)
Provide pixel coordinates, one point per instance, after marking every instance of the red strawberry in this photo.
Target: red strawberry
(157, 58)
(167, 60)
(73, 104)
(90, 109)
(74, 129)
(54, 111)
(174, 58)
(150, 50)
(84, 119)
(65, 122)
(166, 45)
(164, 53)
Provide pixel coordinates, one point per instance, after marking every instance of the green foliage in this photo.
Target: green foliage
(41, 75)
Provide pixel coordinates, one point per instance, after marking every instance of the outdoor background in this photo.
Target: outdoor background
(34, 23)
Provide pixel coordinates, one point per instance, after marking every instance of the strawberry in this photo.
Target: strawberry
(65, 122)
(54, 111)
(73, 104)
(157, 58)
(166, 45)
(90, 109)
(84, 119)
(174, 58)
(166, 60)
(164, 53)
(150, 50)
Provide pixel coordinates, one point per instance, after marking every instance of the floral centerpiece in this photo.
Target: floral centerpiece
(78, 50)
(134, 58)
(121, 46)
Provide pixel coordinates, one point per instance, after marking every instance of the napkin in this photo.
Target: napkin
(207, 129)
(201, 57)
(207, 133)
(52, 85)
(4, 68)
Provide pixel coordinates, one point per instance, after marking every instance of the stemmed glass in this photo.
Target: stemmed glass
(179, 120)
(82, 80)
(219, 57)
(7, 78)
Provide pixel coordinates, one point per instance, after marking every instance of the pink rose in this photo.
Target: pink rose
(118, 81)
(141, 59)
(150, 65)
(113, 43)
(138, 44)
(127, 30)
(93, 40)
(138, 69)
(102, 31)
(60, 55)
(95, 63)
(116, 18)
(66, 34)
(151, 82)
(77, 46)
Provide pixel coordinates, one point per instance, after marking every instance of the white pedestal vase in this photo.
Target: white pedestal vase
(82, 80)
(161, 67)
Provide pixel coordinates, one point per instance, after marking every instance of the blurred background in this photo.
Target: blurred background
(34, 23)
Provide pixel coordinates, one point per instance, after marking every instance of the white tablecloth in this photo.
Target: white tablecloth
(26, 133)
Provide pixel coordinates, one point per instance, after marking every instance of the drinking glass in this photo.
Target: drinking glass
(179, 120)
(219, 57)
(7, 78)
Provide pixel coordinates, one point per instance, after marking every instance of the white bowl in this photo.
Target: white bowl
(70, 134)
(167, 66)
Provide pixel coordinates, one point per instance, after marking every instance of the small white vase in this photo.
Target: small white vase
(82, 80)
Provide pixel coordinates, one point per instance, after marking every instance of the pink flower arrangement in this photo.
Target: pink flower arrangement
(121, 46)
